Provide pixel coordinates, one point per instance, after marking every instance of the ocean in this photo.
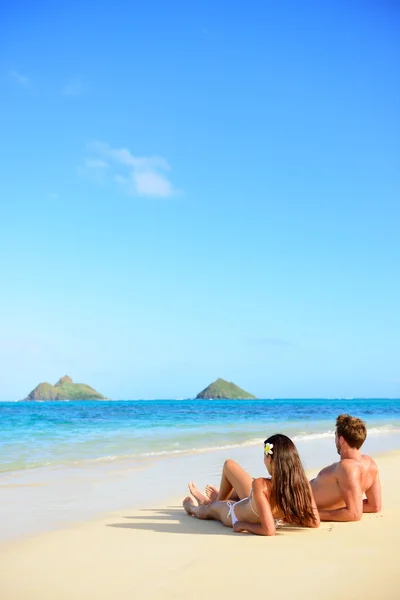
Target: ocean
(38, 434)
(72, 461)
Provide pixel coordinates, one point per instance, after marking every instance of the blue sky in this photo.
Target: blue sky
(200, 190)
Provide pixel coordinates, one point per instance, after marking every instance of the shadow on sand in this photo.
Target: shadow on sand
(173, 519)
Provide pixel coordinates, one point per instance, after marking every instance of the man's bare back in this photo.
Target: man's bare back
(326, 486)
(339, 489)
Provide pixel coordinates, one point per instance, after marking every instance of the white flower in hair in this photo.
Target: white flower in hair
(268, 449)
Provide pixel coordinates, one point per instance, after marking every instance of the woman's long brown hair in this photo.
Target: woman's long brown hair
(290, 486)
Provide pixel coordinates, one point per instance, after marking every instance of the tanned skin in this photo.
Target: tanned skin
(237, 483)
(339, 489)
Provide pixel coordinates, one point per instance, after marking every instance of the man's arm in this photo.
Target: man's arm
(315, 510)
(373, 503)
(350, 490)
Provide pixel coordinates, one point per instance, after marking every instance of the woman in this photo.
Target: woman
(286, 495)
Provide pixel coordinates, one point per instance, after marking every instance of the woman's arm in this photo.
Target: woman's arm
(260, 497)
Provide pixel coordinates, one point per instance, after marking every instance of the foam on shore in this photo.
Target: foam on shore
(57, 496)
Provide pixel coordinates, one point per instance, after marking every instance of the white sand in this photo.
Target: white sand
(162, 553)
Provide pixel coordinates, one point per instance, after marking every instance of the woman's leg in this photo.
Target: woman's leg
(217, 511)
(235, 481)
(235, 485)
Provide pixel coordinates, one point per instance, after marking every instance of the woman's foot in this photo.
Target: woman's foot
(194, 490)
(211, 492)
(188, 505)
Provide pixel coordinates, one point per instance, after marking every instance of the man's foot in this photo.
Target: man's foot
(188, 505)
(194, 490)
(211, 492)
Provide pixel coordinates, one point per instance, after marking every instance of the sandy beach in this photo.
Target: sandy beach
(199, 241)
(160, 551)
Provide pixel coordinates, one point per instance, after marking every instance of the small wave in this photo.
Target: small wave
(312, 436)
(156, 454)
(383, 429)
(201, 450)
(327, 434)
(302, 436)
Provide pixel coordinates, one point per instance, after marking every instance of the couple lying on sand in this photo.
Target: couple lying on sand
(257, 505)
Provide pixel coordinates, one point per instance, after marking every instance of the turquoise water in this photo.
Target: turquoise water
(34, 434)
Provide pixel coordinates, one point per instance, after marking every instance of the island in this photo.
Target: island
(222, 389)
(64, 389)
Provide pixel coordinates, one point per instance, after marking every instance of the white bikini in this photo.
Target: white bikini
(231, 512)
(232, 515)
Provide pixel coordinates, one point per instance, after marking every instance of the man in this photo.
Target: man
(339, 489)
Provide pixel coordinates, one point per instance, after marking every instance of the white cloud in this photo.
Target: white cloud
(152, 184)
(74, 87)
(124, 157)
(19, 78)
(136, 175)
(96, 163)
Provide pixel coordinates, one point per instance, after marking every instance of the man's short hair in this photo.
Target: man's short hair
(353, 430)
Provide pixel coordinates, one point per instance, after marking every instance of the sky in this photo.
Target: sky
(193, 190)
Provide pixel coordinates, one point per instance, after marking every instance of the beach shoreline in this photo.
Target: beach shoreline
(59, 496)
(146, 552)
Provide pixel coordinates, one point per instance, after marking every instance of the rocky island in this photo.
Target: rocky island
(222, 389)
(64, 389)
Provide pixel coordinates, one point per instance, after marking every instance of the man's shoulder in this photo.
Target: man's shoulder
(330, 469)
(370, 463)
(348, 463)
(348, 466)
(352, 465)
(369, 458)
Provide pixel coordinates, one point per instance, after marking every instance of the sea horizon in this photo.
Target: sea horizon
(184, 399)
